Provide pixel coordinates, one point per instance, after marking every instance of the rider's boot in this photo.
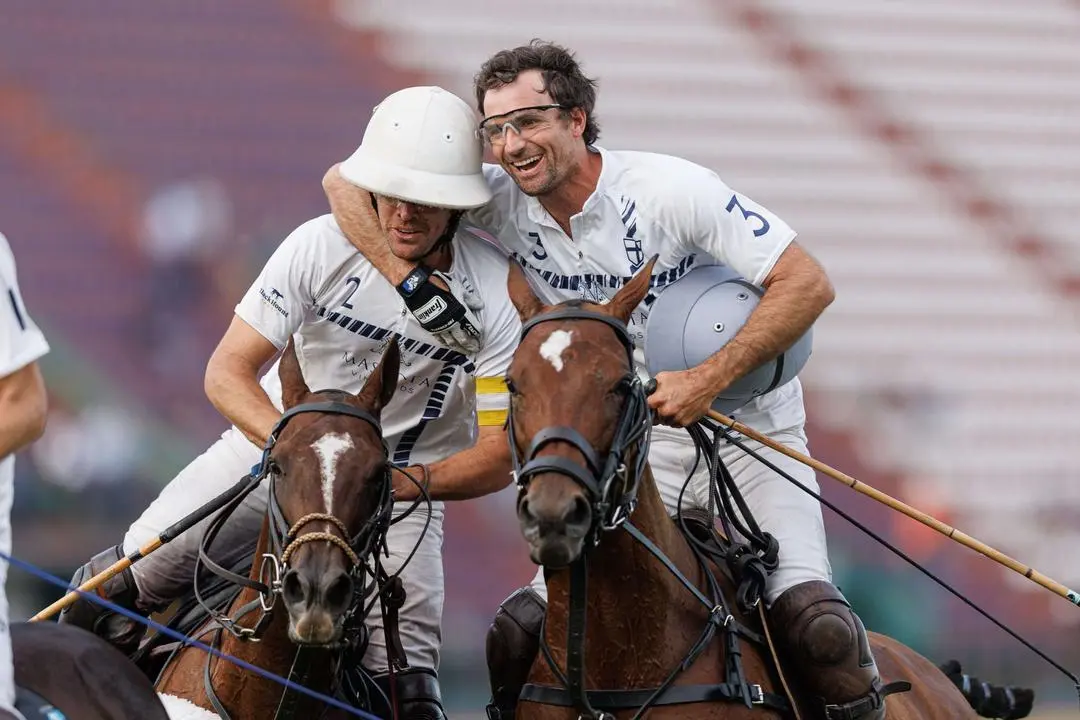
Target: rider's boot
(825, 642)
(513, 641)
(416, 691)
(119, 630)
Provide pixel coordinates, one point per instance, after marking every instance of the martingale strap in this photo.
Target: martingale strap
(595, 703)
(575, 637)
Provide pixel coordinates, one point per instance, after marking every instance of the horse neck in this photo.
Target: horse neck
(275, 652)
(635, 605)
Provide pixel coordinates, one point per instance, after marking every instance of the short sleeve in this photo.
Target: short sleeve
(729, 226)
(275, 303)
(502, 331)
(492, 217)
(21, 342)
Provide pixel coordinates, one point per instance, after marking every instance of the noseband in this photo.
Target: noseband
(285, 539)
(610, 507)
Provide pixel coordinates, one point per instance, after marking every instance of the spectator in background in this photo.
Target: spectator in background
(185, 227)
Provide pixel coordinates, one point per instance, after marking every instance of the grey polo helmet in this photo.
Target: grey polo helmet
(699, 314)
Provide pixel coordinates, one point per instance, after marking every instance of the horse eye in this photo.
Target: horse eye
(511, 387)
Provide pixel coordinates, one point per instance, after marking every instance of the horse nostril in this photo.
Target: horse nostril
(292, 588)
(579, 513)
(338, 593)
(524, 511)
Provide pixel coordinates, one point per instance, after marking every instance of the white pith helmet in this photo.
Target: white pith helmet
(421, 145)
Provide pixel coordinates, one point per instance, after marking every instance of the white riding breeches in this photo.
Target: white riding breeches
(7, 669)
(167, 573)
(792, 516)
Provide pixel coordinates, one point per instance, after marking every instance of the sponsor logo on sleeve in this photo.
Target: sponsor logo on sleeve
(274, 299)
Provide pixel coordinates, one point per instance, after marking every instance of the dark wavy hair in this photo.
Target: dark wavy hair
(563, 78)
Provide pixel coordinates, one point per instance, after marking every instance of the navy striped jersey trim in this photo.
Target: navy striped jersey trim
(15, 309)
(432, 411)
(612, 282)
(430, 350)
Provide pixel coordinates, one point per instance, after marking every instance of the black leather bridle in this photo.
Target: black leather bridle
(612, 487)
(371, 582)
(610, 483)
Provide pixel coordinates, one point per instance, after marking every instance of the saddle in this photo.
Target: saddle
(157, 648)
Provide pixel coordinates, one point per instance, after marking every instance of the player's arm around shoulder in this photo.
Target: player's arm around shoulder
(355, 215)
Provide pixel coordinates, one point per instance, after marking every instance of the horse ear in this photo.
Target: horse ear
(521, 293)
(293, 387)
(383, 381)
(632, 293)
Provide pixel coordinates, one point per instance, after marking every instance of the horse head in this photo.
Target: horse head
(578, 419)
(330, 496)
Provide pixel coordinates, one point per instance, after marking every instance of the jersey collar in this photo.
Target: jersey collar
(539, 215)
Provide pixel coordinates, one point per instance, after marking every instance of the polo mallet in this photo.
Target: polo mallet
(889, 501)
(168, 535)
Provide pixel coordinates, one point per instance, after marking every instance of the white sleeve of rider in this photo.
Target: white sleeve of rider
(277, 301)
(502, 331)
(729, 226)
(21, 342)
(492, 216)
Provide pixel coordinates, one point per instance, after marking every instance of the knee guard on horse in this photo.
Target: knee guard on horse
(122, 632)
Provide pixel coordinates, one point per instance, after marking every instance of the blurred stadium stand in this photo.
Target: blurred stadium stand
(927, 152)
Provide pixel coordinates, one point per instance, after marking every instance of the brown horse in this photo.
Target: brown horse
(579, 428)
(315, 544)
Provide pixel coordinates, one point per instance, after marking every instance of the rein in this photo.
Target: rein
(612, 489)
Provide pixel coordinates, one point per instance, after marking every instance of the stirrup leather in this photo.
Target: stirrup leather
(873, 700)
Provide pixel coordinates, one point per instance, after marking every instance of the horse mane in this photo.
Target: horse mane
(334, 394)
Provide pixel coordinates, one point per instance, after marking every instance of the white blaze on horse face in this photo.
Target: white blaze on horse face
(328, 449)
(553, 348)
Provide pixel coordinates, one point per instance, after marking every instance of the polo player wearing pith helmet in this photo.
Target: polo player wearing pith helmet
(419, 164)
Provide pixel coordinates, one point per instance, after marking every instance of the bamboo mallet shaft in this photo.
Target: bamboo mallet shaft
(931, 522)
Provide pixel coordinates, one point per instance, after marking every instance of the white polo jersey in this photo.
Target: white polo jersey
(21, 342)
(318, 289)
(644, 204)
